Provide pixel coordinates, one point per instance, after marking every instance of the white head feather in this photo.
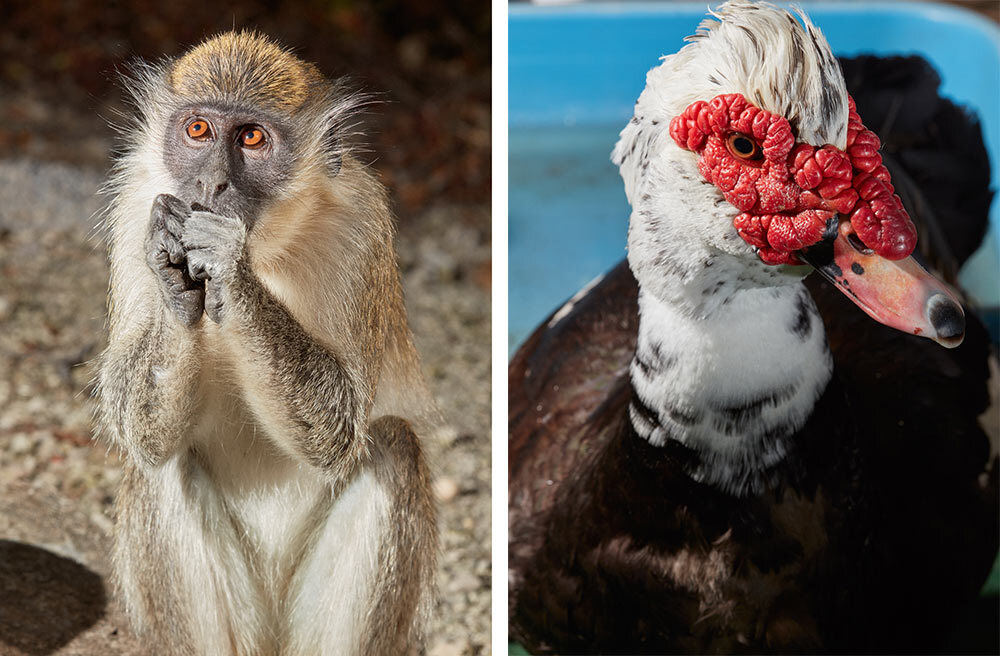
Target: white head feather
(780, 65)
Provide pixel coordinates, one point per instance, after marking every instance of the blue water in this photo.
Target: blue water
(567, 217)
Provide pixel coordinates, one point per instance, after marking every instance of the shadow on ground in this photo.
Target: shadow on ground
(45, 599)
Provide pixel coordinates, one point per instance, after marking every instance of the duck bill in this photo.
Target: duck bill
(897, 293)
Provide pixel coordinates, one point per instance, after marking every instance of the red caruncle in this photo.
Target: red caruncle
(787, 192)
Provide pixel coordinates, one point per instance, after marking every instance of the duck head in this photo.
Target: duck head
(747, 165)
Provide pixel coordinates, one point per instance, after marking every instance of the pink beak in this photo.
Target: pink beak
(897, 293)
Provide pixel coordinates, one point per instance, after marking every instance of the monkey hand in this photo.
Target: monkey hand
(215, 246)
(184, 296)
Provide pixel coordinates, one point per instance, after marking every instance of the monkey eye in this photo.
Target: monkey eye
(199, 129)
(252, 137)
(743, 147)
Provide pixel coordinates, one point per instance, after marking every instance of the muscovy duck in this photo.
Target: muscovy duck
(711, 452)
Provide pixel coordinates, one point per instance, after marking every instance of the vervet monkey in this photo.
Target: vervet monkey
(260, 375)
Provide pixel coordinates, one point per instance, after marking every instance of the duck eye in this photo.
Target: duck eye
(252, 138)
(198, 129)
(743, 147)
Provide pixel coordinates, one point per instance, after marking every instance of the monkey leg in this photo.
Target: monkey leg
(180, 569)
(369, 578)
(403, 600)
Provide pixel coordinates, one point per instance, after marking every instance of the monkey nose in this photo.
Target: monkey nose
(211, 190)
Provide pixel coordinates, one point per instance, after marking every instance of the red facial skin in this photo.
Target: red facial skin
(788, 192)
(787, 196)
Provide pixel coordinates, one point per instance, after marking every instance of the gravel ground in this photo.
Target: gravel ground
(53, 278)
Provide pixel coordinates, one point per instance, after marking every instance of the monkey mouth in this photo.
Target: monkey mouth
(248, 219)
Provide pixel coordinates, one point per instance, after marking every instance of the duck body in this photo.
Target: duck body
(874, 527)
(711, 452)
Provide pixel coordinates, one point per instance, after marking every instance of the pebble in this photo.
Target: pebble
(448, 648)
(21, 444)
(463, 582)
(445, 489)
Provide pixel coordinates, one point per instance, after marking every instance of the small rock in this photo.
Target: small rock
(448, 648)
(444, 435)
(445, 489)
(463, 582)
(21, 444)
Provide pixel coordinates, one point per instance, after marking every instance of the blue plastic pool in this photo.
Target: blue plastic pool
(574, 74)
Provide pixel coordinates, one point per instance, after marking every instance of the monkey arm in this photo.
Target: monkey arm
(149, 374)
(308, 397)
(148, 387)
(307, 392)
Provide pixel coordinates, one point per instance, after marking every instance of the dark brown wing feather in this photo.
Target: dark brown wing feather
(557, 381)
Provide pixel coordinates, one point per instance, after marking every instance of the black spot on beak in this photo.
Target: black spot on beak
(946, 317)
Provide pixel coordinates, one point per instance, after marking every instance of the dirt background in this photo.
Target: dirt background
(429, 64)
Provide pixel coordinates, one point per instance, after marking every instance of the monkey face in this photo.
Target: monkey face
(230, 161)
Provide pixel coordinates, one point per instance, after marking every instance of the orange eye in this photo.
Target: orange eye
(198, 129)
(744, 147)
(252, 138)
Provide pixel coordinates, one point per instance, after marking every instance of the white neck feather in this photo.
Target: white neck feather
(731, 354)
(733, 384)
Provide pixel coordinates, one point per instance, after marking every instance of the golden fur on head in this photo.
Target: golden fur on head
(244, 67)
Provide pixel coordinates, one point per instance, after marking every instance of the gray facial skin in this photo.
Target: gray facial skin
(219, 178)
(217, 173)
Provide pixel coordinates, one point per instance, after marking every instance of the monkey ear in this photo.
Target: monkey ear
(340, 129)
(333, 147)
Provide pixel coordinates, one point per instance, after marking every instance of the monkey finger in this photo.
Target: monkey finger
(213, 302)
(198, 272)
(206, 230)
(198, 266)
(157, 219)
(174, 249)
(161, 241)
(157, 259)
(164, 219)
(175, 226)
(175, 281)
(188, 306)
(200, 232)
(172, 205)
